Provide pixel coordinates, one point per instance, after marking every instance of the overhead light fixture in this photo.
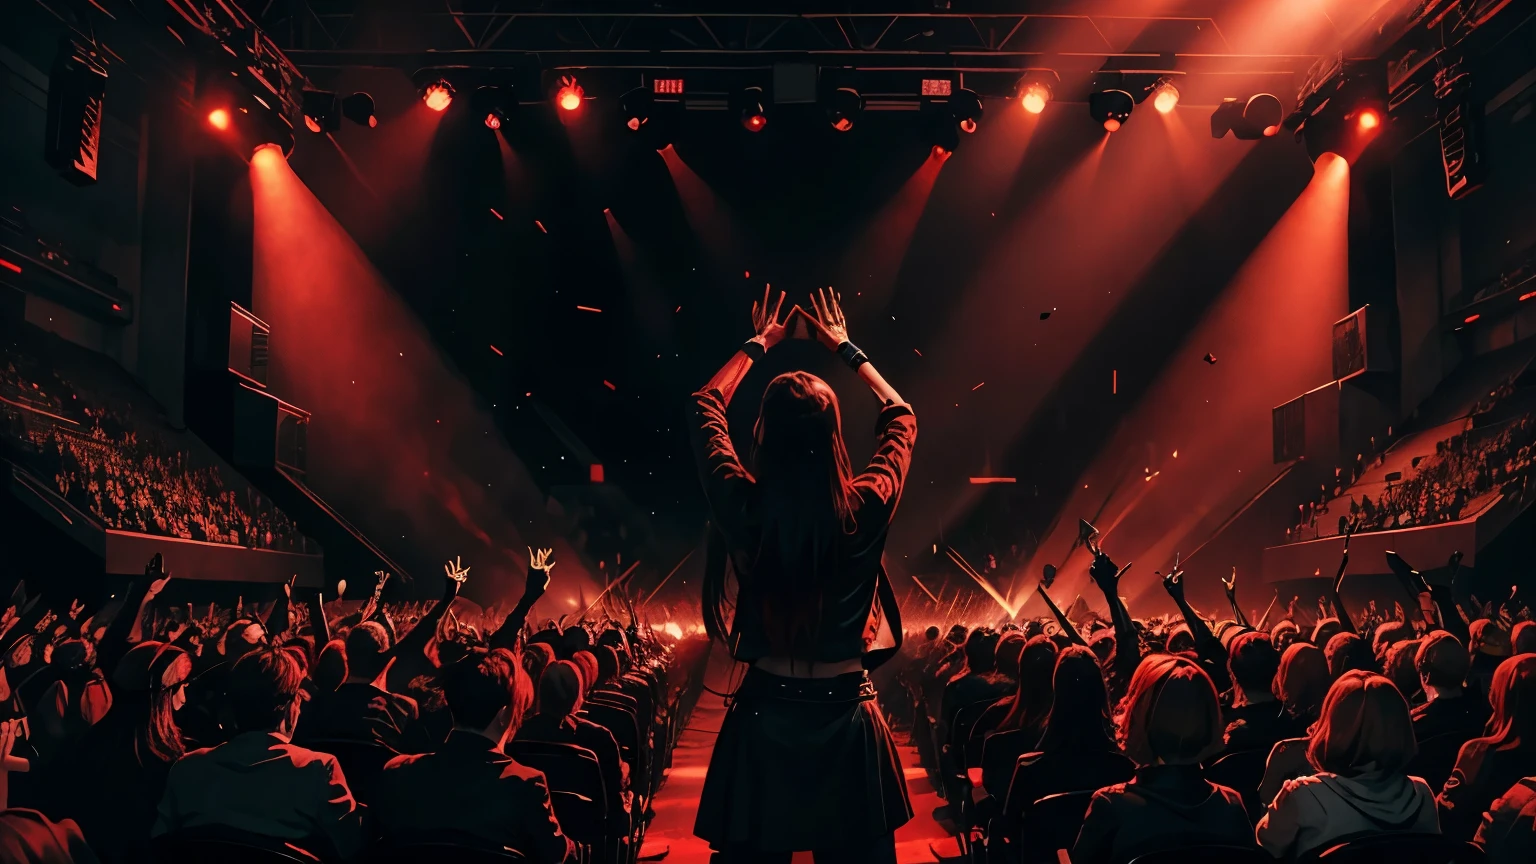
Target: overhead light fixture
(748, 106)
(1258, 117)
(438, 95)
(635, 108)
(219, 119)
(493, 105)
(1111, 108)
(1034, 96)
(322, 111)
(967, 109)
(843, 107)
(1165, 97)
(569, 95)
(359, 109)
(941, 131)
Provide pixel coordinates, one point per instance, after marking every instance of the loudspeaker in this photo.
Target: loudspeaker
(77, 89)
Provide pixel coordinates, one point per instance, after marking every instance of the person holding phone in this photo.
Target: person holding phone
(803, 761)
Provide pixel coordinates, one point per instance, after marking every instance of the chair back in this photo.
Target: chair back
(576, 788)
(1437, 757)
(1207, 855)
(1052, 823)
(232, 847)
(361, 761)
(1399, 849)
(1242, 772)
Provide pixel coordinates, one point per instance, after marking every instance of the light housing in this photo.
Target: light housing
(1111, 108)
(843, 107)
(438, 95)
(748, 106)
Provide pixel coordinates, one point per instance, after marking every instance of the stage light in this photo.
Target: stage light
(493, 120)
(635, 108)
(1259, 117)
(267, 156)
(570, 94)
(359, 109)
(218, 118)
(843, 107)
(1034, 96)
(322, 112)
(941, 131)
(438, 95)
(493, 105)
(1111, 108)
(1368, 119)
(1165, 97)
(967, 108)
(748, 106)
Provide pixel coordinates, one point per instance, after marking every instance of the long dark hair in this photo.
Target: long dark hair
(1032, 701)
(1080, 716)
(803, 505)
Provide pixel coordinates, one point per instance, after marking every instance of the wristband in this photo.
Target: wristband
(754, 350)
(852, 355)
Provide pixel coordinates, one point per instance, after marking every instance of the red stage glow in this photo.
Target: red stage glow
(218, 118)
(1470, 318)
(492, 121)
(755, 122)
(438, 96)
(1112, 125)
(569, 96)
(940, 153)
(1369, 120)
(14, 268)
(1525, 297)
(984, 481)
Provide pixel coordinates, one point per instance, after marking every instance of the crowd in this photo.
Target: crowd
(1411, 733)
(99, 462)
(387, 732)
(1463, 469)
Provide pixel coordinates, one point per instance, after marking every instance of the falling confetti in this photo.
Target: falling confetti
(1175, 454)
(1114, 381)
(541, 226)
(609, 384)
(1046, 314)
(984, 481)
(978, 386)
(588, 309)
(1211, 359)
(746, 274)
(917, 352)
(498, 351)
(497, 215)
(674, 312)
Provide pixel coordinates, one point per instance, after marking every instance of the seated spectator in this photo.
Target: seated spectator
(978, 683)
(330, 667)
(1257, 718)
(556, 722)
(128, 755)
(1508, 831)
(1360, 749)
(1401, 667)
(1172, 721)
(1523, 637)
(27, 836)
(1489, 766)
(258, 784)
(1019, 731)
(1443, 664)
(1347, 652)
(1010, 650)
(1078, 749)
(1302, 684)
(361, 709)
(478, 793)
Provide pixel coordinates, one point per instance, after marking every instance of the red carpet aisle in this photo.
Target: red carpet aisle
(920, 841)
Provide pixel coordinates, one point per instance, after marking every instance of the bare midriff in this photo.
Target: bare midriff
(785, 667)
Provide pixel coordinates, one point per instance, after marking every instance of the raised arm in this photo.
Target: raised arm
(832, 331)
(1106, 574)
(416, 641)
(539, 567)
(127, 624)
(769, 330)
(1230, 586)
(1207, 646)
(1062, 620)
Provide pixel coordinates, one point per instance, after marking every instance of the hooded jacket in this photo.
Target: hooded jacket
(1311, 812)
(1508, 832)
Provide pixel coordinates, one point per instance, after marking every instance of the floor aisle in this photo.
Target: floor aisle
(920, 841)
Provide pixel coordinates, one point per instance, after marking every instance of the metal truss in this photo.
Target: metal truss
(1021, 34)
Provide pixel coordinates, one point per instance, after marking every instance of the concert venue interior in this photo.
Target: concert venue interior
(1217, 316)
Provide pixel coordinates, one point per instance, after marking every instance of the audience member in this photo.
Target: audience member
(259, 785)
(478, 793)
(1489, 766)
(1171, 722)
(1359, 748)
(1019, 731)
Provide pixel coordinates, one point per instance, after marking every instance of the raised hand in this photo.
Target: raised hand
(1230, 584)
(831, 326)
(766, 323)
(456, 570)
(540, 564)
(1105, 572)
(1173, 583)
(75, 608)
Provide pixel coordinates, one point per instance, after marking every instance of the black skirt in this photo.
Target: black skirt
(802, 764)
